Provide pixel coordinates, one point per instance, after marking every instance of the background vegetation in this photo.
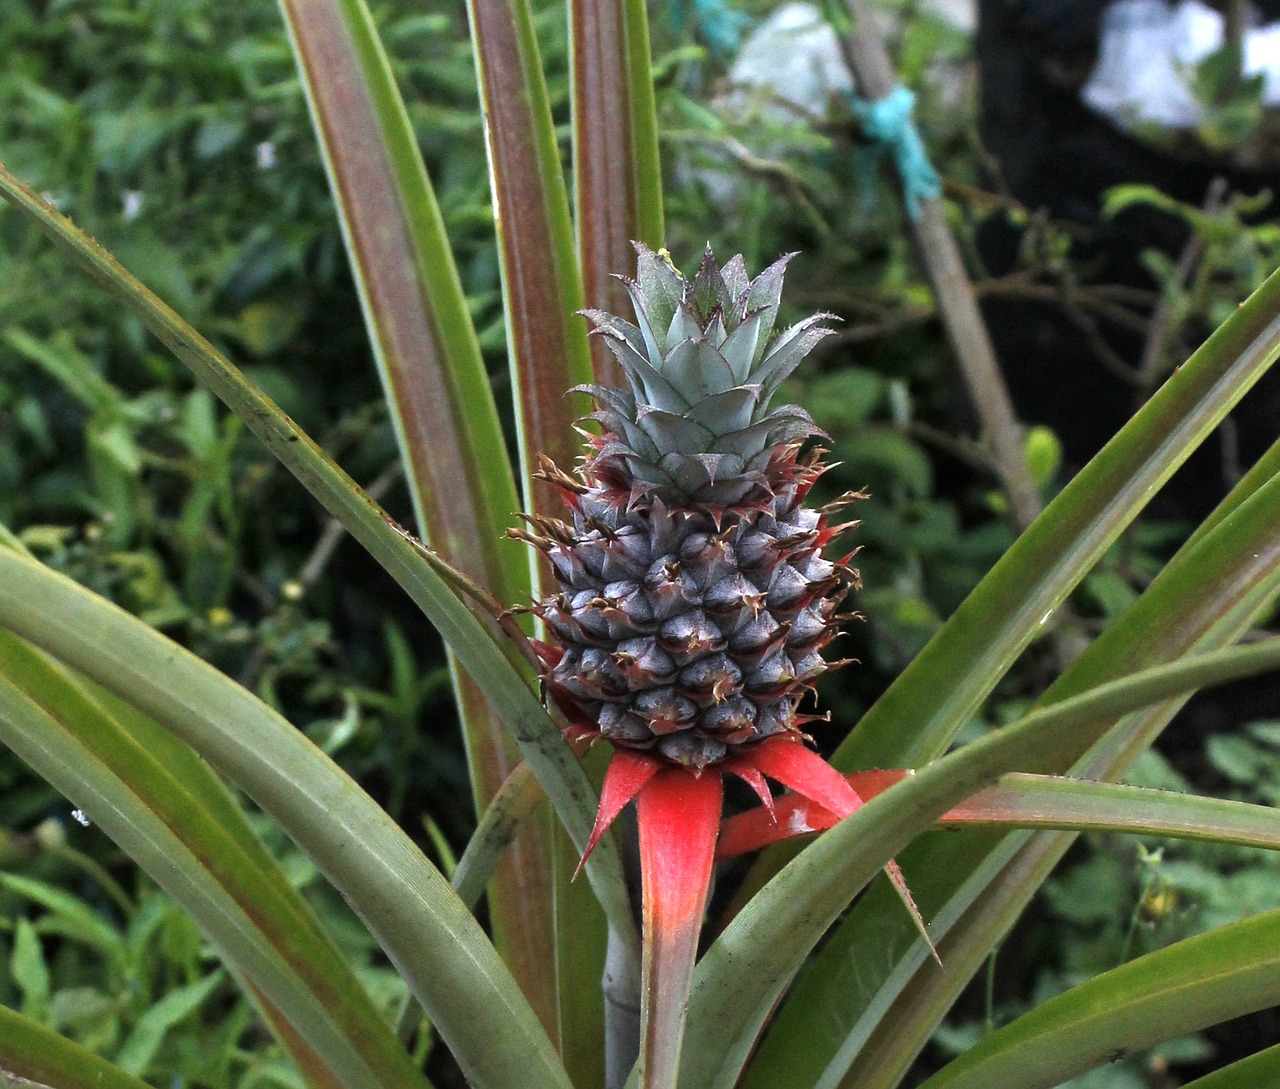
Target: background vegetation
(175, 131)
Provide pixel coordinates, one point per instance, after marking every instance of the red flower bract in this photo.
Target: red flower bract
(679, 811)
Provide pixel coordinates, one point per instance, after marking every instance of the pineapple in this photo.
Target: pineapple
(694, 599)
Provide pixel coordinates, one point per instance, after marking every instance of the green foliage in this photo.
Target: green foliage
(127, 974)
(140, 991)
(178, 135)
(1122, 898)
(1232, 102)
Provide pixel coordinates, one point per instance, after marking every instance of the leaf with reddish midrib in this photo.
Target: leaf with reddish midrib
(417, 315)
(547, 345)
(541, 286)
(39, 1056)
(617, 174)
(440, 400)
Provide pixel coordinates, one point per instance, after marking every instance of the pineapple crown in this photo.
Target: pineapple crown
(703, 364)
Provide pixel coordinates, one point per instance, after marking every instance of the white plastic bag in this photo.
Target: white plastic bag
(1147, 53)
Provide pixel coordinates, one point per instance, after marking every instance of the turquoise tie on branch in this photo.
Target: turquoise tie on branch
(888, 124)
(718, 25)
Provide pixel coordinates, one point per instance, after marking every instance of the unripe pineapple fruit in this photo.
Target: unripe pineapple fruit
(694, 597)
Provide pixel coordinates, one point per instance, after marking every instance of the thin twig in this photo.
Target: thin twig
(964, 450)
(334, 530)
(1135, 296)
(1234, 23)
(1109, 357)
(773, 172)
(895, 322)
(957, 306)
(1149, 366)
(1093, 300)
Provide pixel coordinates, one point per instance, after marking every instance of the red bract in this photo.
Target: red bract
(679, 814)
(679, 811)
(794, 815)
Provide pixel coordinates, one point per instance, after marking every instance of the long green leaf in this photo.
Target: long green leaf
(314, 1070)
(901, 1015)
(35, 1054)
(743, 973)
(617, 176)
(1021, 800)
(943, 687)
(580, 959)
(438, 947)
(1018, 800)
(128, 781)
(438, 391)
(516, 801)
(838, 1044)
(1051, 801)
(541, 283)
(208, 793)
(647, 162)
(1260, 1071)
(1212, 977)
(1214, 576)
(1141, 454)
(1267, 466)
(1202, 601)
(400, 555)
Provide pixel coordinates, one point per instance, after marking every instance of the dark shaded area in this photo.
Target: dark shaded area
(1057, 156)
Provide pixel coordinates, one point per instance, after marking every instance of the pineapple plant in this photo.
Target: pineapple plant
(694, 597)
